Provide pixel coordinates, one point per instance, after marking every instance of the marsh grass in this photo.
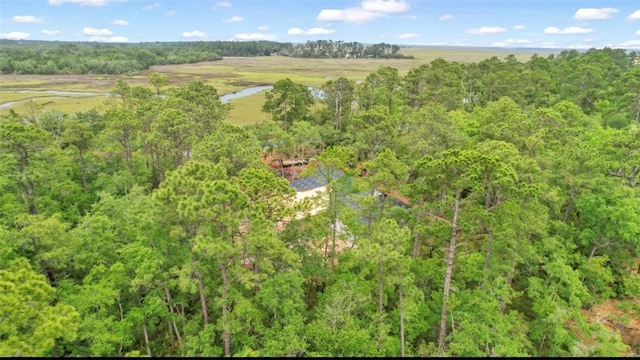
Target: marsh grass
(6, 96)
(232, 74)
(247, 110)
(468, 55)
(64, 104)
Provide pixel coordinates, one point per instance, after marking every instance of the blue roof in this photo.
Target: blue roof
(313, 181)
(308, 183)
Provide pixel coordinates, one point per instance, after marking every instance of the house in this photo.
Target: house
(316, 184)
(313, 186)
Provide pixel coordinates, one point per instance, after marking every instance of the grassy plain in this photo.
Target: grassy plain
(246, 110)
(7, 96)
(66, 104)
(232, 74)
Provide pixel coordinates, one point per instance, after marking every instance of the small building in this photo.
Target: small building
(313, 185)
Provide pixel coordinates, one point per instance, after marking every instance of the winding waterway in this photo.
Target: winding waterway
(44, 93)
(245, 92)
(317, 93)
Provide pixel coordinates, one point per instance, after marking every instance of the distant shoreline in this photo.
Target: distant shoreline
(489, 48)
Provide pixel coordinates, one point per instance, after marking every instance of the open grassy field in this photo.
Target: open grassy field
(246, 110)
(232, 74)
(469, 55)
(66, 104)
(17, 96)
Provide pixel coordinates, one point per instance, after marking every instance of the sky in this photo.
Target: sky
(564, 24)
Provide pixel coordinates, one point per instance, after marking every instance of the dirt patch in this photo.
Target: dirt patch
(636, 266)
(621, 316)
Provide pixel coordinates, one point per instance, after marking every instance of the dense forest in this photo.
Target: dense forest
(49, 57)
(506, 206)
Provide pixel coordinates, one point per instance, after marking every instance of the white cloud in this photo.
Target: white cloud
(14, 35)
(263, 28)
(517, 41)
(638, 32)
(224, 4)
(233, 19)
(96, 32)
(547, 45)
(631, 44)
(353, 15)
(26, 19)
(368, 10)
(117, 39)
(511, 41)
(484, 30)
(82, 2)
(170, 12)
(411, 17)
(595, 14)
(407, 35)
(567, 31)
(634, 16)
(312, 31)
(254, 36)
(319, 31)
(579, 47)
(111, 39)
(463, 42)
(519, 27)
(194, 33)
(51, 32)
(150, 7)
(385, 6)
(445, 17)
(120, 22)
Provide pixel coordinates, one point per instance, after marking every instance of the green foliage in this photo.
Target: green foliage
(202, 343)
(632, 285)
(339, 96)
(158, 80)
(202, 105)
(48, 58)
(270, 194)
(341, 328)
(288, 102)
(156, 229)
(481, 329)
(31, 325)
(281, 297)
(439, 82)
(233, 147)
(371, 131)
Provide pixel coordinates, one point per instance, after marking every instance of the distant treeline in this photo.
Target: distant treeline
(310, 49)
(53, 57)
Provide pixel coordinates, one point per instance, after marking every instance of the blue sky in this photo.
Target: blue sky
(577, 24)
